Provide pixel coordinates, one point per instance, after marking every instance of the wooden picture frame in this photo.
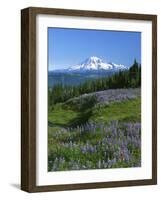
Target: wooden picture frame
(28, 98)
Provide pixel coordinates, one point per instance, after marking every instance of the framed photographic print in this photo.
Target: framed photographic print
(88, 99)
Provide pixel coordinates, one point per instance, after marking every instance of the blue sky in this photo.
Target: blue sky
(68, 47)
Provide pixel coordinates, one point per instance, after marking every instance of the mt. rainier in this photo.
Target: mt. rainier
(94, 63)
(91, 68)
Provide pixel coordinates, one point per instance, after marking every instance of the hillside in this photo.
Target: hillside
(85, 132)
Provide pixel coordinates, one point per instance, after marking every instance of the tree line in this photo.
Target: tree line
(130, 78)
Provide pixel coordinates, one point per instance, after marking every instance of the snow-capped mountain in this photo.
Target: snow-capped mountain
(94, 64)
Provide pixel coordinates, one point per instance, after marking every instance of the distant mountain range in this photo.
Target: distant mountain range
(93, 64)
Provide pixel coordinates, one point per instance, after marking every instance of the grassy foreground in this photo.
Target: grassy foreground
(88, 135)
(129, 110)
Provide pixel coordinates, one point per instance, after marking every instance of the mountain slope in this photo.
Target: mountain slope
(94, 64)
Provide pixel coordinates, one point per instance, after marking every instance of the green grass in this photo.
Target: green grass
(74, 157)
(62, 116)
(128, 110)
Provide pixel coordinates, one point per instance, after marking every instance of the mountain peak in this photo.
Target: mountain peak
(94, 58)
(91, 63)
(94, 63)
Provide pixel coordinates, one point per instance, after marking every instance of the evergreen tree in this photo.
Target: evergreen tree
(121, 79)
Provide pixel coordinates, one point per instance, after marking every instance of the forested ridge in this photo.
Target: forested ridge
(130, 78)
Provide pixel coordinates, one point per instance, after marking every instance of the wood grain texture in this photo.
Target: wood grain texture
(28, 98)
(24, 100)
(154, 99)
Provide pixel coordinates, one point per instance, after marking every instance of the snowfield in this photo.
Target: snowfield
(93, 63)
